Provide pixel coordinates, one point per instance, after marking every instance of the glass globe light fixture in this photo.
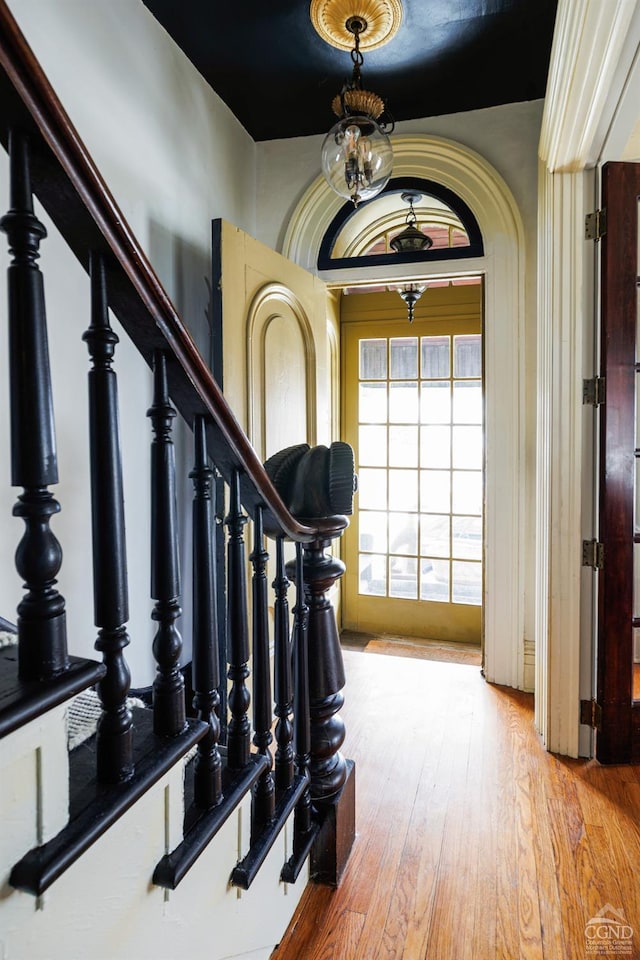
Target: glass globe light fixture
(356, 158)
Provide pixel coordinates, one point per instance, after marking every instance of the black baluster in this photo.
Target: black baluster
(111, 602)
(302, 819)
(42, 633)
(282, 674)
(169, 715)
(221, 591)
(264, 791)
(206, 677)
(239, 730)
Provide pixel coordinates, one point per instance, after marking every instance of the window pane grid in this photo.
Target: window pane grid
(421, 460)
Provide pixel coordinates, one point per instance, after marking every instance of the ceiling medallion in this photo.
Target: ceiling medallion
(382, 18)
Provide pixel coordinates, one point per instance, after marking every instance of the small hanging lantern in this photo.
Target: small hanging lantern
(411, 240)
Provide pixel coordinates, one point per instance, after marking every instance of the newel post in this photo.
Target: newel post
(332, 776)
(318, 484)
(321, 571)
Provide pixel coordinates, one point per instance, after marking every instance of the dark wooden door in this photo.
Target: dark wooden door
(618, 736)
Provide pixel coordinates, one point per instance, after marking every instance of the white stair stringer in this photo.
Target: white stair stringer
(105, 905)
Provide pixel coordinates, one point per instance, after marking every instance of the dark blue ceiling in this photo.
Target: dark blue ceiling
(268, 64)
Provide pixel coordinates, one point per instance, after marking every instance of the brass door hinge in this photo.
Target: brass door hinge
(593, 391)
(595, 225)
(592, 554)
(591, 714)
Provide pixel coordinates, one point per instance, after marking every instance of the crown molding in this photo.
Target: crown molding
(593, 47)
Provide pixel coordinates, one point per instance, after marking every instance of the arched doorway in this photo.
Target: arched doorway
(469, 176)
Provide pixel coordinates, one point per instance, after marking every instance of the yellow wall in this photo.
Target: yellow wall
(436, 303)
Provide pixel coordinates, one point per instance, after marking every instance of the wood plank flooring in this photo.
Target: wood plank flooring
(473, 842)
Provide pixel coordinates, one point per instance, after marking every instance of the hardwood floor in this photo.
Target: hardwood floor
(472, 841)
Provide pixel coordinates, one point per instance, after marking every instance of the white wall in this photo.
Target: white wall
(507, 136)
(174, 158)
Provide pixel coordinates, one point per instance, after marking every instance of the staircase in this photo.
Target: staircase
(188, 816)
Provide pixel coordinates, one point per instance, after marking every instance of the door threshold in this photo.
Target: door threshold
(416, 647)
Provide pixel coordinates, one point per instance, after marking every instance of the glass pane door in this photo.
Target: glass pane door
(414, 416)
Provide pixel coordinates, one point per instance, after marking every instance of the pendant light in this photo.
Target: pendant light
(357, 159)
(411, 240)
(411, 293)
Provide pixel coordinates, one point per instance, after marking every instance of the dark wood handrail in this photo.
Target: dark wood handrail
(72, 191)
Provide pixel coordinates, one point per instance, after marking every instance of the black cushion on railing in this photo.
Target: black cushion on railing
(314, 481)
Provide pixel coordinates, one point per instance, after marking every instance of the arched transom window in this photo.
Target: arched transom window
(362, 236)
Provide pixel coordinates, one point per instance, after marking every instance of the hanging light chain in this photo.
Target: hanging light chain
(356, 154)
(356, 26)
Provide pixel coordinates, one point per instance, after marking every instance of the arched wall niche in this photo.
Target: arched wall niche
(480, 186)
(281, 371)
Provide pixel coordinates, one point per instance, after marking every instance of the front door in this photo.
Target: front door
(413, 412)
(618, 645)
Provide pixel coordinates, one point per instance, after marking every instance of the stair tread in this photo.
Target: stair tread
(23, 701)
